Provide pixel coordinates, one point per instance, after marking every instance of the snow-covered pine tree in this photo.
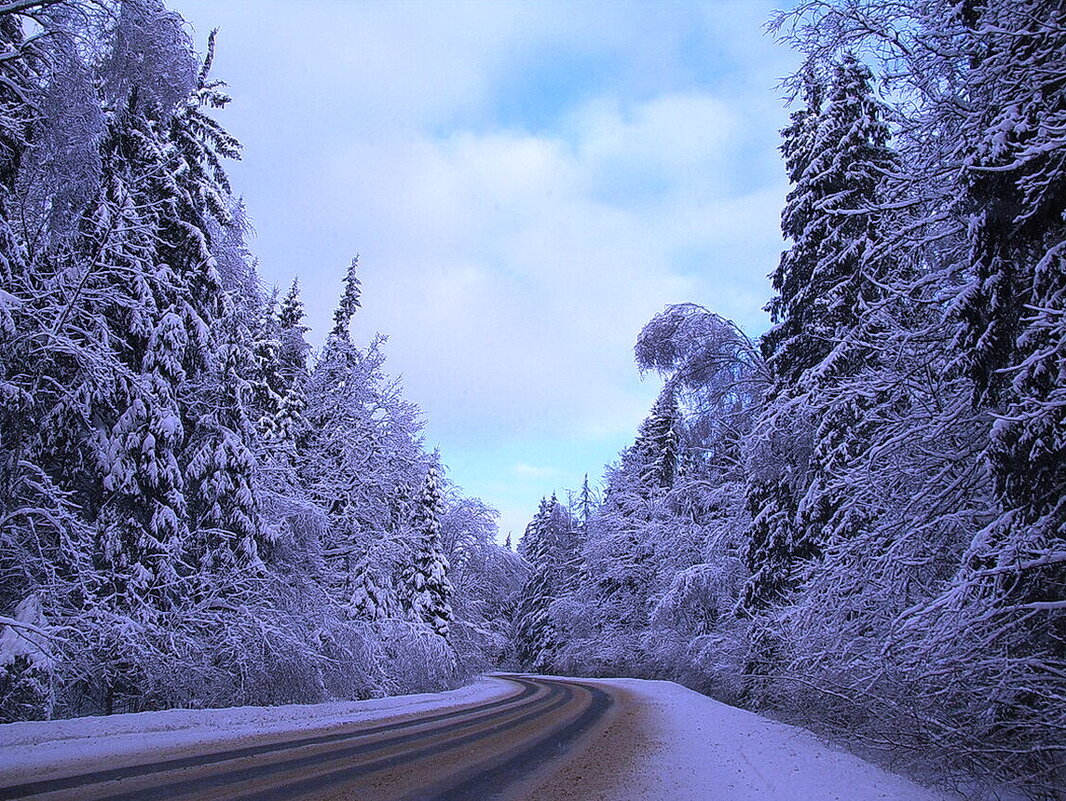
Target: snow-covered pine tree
(372, 599)
(424, 586)
(281, 378)
(585, 502)
(652, 458)
(291, 310)
(784, 347)
(837, 156)
(199, 234)
(266, 388)
(528, 543)
(772, 493)
(850, 281)
(225, 508)
(142, 520)
(349, 303)
(293, 348)
(277, 405)
(534, 635)
(847, 180)
(1011, 590)
(1013, 315)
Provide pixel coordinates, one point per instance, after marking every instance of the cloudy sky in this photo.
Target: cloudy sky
(526, 183)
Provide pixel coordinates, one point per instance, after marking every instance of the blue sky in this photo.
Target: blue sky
(526, 183)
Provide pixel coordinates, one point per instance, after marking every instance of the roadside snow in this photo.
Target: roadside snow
(670, 743)
(38, 750)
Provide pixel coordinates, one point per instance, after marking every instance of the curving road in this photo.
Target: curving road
(473, 752)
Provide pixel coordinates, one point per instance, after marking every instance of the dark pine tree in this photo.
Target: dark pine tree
(546, 545)
(837, 157)
(425, 588)
(349, 303)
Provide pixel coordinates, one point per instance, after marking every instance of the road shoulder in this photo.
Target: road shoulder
(664, 741)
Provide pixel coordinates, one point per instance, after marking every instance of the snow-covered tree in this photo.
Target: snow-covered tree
(548, 546)
(159, 429)
(652, 459)
(372, 598)
(957, 559)
(837, 157)
(425, 589)
(27, 664)
(292, 347)
(349, 303)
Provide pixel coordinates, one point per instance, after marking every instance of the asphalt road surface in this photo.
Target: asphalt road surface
(471, 753)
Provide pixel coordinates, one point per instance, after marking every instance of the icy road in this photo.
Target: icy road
(508, 737)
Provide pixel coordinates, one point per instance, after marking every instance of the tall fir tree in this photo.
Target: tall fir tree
(653, 458)
(350, 301)
(545, 546)
(372, 599)
(837, 156)
(425, 588)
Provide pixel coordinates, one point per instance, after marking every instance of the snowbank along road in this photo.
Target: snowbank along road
(470, 752)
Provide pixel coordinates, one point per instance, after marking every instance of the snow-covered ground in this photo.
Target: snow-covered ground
(670, 743)
(66, 747)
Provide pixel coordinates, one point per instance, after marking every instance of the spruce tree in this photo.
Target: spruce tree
(349, 303)
(585, 502)
(535, 640)
(837, 155)
(425, 586)
(290, 423)
(292, 345)
(653, 458)
(1012, 313)
(266, 385)
(1011, 316)
(371, 599)
(788, 280)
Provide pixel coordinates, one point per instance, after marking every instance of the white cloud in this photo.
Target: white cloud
(531, 471)
(674, 141)
(512, 265)
(513, 290)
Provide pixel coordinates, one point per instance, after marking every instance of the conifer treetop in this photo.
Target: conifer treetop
(349, 303)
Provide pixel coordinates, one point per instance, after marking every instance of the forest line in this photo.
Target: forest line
(857, 522)
(195, 509)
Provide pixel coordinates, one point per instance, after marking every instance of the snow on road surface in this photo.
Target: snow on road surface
(660, 741)
(671, 744)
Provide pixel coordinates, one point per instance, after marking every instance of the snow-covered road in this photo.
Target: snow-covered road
(536, 739)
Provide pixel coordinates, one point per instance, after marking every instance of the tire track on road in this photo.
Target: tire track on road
(472, 749)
